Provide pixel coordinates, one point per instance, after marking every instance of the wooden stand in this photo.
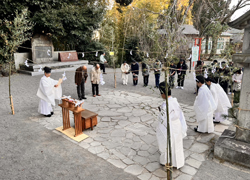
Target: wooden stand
(66, 107)
(89, 119)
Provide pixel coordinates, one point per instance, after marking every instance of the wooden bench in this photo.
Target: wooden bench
(89, 119)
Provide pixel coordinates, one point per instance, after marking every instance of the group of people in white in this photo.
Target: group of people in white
(211, 102)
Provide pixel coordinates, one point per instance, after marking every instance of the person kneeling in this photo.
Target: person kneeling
(178, 128)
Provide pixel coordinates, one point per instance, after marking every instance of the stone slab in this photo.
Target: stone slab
(134, 169)
(232, 150)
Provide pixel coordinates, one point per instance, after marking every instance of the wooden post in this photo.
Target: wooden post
(169, 152)
(10, 96)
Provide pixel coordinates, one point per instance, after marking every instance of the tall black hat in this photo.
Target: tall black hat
(47, 70)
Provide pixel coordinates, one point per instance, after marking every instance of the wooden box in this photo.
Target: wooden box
(89, 119)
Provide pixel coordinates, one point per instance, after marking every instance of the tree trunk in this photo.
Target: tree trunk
(214, 47)
(206, 46)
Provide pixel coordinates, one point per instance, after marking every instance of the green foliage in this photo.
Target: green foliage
(132, 43)
(228, 51)
(70, 23)
(13, 34)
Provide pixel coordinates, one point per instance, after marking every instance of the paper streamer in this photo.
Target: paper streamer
(78, 103)
(166, 55)
(131, 52)
(26, 63)
(40, 70)
(69, 55)
(66, 97)
(147, 55)
(48, 52)
(102, 82)
(82, 54)
(205, 74)
(64, 76)
(190, 57)
(96, 54)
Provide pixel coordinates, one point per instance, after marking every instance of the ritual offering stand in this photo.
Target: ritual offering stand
(70, 105)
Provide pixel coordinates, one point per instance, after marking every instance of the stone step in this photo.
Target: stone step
(36, 73)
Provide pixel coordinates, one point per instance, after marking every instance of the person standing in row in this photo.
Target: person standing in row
(157, 70)
(95, 80)
(178, 129)
(49, 90)
(102, 62)
(181, 71)
(125, 72)
(204, 107)
(172, 74)
(237, 79)
(135, 72)
(145, 73)
(221, 99)
(81, 76)
(198, 71)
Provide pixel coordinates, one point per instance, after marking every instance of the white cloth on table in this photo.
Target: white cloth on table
(178, 130)
(204, 107)
(48, 93)
(222, 101)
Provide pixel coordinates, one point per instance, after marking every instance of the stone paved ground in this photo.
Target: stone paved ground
(124, 136)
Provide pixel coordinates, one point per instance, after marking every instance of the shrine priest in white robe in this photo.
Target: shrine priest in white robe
(49, 90)
(204, 107)
(178, 128)
(220, 98)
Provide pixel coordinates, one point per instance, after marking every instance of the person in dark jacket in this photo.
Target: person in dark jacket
(181, 71)
(145, 73)
(80, 79)
(135, 72)
(157, 71)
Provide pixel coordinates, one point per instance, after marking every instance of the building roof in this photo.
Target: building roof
(189, 29)
(241, 22)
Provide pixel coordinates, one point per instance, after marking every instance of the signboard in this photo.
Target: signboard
(43, 51)
(195, 53)
(111, 53)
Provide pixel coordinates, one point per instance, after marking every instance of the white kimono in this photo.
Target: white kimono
(204, 107)
(47, 94)
(178, 128)
(222, 101)
(125, 68)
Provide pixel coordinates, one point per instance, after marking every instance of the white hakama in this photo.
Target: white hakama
(47, 94)
(223, 103)
(204, 107)
(178, 128)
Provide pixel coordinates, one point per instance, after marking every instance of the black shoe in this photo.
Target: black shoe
(80, 99)
(84, 98)
(196, 129)
(216, 122)
(49, 115)
(104, 73)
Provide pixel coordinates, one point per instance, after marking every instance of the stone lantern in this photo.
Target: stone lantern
(235, 146)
